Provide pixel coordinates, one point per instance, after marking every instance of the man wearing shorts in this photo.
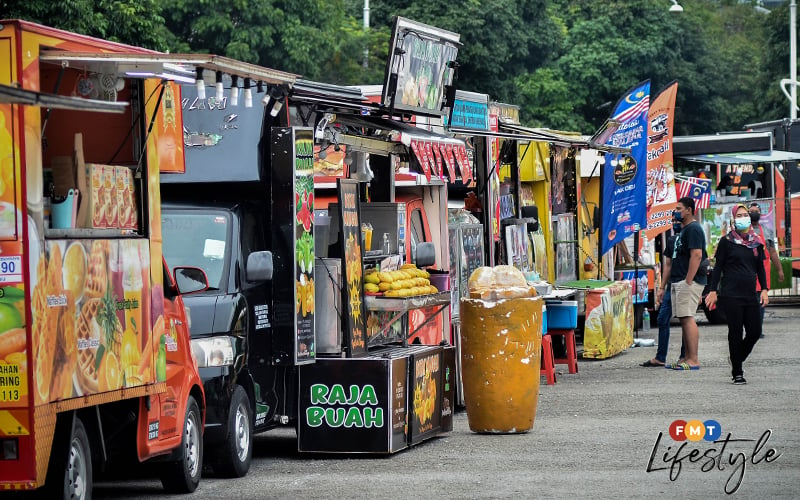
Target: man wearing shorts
(687, 280)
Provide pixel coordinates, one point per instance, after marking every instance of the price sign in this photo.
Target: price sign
(11, 269)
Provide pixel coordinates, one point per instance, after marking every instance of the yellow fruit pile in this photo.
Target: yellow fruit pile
(408, 281)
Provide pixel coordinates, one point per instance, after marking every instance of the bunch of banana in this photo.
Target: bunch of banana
(407, 281)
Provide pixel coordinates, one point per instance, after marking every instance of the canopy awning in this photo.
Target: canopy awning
(432, 150)
(766, 156)
(13, 95)
(178, 67)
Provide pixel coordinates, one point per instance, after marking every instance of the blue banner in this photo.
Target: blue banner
(624, 178)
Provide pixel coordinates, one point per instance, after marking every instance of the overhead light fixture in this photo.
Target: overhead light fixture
(260, 87)
(276, 96)
(220, 89)
(234, 90)
(675, 7)
(248, 94)
(201, 85)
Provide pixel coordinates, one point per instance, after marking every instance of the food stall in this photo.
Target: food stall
(380, 185)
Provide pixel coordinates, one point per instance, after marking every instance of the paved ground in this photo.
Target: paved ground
(594, 435)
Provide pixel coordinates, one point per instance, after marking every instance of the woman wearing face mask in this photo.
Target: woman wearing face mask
(738, 267)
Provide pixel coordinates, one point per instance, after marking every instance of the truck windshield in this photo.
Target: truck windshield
(199, 239)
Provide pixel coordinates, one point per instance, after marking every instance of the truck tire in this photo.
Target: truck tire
(78, 469)
(183, 475)
(236, 452)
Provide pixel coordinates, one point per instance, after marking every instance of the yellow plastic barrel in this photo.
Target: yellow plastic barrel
(501, 346)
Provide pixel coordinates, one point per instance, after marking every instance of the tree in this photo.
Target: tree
(135, 22)
(501, 38)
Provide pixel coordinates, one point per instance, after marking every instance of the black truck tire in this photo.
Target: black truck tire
(183, 475)
(76, 465)
(234, 455)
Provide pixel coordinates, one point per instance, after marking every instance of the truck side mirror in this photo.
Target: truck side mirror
(190, 280)
(425, 254)
(259, 266)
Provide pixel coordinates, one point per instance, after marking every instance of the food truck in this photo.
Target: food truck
(283, 326)
(95, 362)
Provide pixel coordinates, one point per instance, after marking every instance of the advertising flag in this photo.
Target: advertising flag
(661, 197)
(624, 178)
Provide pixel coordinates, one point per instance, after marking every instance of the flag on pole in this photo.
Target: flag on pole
(697, 189)
(624, 178)
(660, 172)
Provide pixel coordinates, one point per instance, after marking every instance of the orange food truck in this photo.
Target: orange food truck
(95, 362)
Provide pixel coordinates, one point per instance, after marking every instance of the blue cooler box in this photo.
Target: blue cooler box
(544, 319)
(562, 314)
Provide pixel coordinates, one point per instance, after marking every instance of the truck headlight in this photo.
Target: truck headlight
(213, 351)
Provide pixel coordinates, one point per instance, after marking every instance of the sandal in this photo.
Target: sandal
(651, 363)
(685, 366)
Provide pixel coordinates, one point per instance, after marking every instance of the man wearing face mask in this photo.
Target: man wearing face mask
(663, 297)
(769, 245)
(738, 267)
(687, 280)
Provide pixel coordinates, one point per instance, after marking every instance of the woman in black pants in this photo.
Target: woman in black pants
(739, 261)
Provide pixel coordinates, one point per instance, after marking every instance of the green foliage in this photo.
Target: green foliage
(135, 22)
(565, 62)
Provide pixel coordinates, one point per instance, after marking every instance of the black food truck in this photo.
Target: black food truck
(243, 211)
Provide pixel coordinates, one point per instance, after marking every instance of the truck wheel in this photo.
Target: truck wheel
(233, 458)
(183, 475)
(78, 470)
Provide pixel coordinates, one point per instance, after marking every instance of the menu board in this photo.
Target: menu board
(420, 65)
(352, 289)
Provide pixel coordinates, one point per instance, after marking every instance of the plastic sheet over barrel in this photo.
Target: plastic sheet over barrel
(500, 357)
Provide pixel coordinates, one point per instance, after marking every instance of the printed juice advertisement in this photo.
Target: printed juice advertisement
(91, 320)
(13, 355)
(609, 320)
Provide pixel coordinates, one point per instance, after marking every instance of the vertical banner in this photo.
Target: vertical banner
(168, 124)
(661, 198)
(352, 291)
(624, 177)
(494, 179)
(305, 345)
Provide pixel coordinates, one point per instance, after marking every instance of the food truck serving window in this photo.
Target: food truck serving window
(198, 238)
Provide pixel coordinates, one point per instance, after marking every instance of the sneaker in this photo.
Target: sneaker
(739, 380)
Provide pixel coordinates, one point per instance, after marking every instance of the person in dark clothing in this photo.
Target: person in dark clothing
(739, 265)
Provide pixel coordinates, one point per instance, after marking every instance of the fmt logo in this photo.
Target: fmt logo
(695, 430)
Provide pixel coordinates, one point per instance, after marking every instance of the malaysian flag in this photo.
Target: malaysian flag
(698, 189)
(640, 101)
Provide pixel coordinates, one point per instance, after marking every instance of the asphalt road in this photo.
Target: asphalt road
(595, 435)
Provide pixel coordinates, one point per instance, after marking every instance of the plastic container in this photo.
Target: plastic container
(562, 314)
(440, 281)
(544, 319)
(62, 213)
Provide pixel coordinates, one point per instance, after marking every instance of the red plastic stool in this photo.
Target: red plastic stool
(572, 357)
(548, 361)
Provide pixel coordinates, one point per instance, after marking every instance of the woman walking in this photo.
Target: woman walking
(739, 262)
